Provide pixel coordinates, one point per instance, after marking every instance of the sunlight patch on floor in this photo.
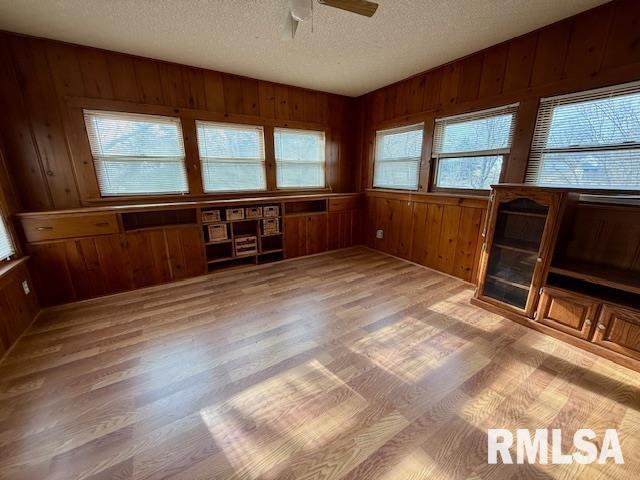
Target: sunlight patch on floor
(301, 409)
(398, 348)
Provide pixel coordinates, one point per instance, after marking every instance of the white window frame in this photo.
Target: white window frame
(237, 126)
(438, 137)
(418, 159)
(97, 157)
(7, 239)
(543, 129)
(278, 162)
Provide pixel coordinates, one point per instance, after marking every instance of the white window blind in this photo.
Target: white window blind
(588, 140)
(469, 149)
(137, 154)
(299, 158)
(397, 157)
(232, 157)
(6, 245)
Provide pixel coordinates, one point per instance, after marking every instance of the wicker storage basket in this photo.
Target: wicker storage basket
(246, 245)
(270, 226)
(253, 212)
(217, 232)
(235, 213)
(271, 211)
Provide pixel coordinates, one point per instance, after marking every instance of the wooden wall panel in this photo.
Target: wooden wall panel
(40, 98)
(44, 135)
(439, 232)
(17, 309)
(593, 49)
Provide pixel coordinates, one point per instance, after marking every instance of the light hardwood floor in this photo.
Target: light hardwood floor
(350, 365)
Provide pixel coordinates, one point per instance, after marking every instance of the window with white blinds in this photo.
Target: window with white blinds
(588, 140)
(6, 245)
(137, 154)
(469, 149)
(397, 157)
(299, 158)
(231, 156)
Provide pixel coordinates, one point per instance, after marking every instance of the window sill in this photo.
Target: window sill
(7, 267)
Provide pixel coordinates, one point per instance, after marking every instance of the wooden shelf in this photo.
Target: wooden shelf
(524, 214)
(240, 221)
(519, 246)
(271, 234)
(508, 282)
(620, 279)
(221, 259)
(275, 250)
(218, 242)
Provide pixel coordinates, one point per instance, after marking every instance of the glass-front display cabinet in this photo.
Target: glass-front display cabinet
(517, 244)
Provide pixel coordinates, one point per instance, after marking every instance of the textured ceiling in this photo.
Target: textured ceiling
(346, 53)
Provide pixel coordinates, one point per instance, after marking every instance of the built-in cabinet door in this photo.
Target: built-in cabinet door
(316, 233)
(618, 329)
(295, 236)
(148, 257)
(517, 247)
(567, 312)
(71, 270)
(186, 252)
(305, 234)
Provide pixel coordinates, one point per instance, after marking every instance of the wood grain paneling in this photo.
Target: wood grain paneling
(438, 232)
(596, 48)
(17, 308)
(77, 269)
(45, 139)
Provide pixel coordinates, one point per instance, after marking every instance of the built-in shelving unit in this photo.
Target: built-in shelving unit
(567, 265)
(237, 236)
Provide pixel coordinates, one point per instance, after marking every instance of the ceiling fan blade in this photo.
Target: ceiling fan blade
(290, 27)
(361, 7)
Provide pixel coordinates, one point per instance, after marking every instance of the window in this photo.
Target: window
(232, 157)
(136, 154)
(397, 157)
(588, 140)
(469, 149)
(6, 245)
(299, 158)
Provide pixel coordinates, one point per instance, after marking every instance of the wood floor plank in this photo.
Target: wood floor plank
(347, 365)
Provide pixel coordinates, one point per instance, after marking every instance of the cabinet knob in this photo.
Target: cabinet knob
(601, 326)
(40, 229)
(587, 322)
(539, 259)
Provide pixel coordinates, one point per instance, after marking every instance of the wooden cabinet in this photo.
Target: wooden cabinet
(567, 312)
(71, 270)
(618, 329)
(305, 234)
(518, 242)
(185, 252)
(148, 257)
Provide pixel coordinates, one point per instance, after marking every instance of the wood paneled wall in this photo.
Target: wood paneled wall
(17, 308)
(438, 231)
(593, 49)
(44, 83)
(596, 48)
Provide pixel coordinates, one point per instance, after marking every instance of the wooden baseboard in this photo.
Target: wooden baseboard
(570, 339)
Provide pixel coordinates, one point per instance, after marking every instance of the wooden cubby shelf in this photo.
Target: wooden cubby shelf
(225, 251)
(618, 278)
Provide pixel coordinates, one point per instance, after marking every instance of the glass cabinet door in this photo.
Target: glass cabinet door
(519, 227)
